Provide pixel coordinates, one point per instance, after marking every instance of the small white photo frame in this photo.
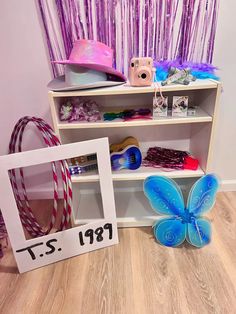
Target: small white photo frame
(38, 252)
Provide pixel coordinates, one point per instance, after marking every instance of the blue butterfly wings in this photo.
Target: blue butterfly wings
(180, 223)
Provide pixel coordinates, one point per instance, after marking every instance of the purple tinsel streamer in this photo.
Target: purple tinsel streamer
(134, 28)
(50, 48)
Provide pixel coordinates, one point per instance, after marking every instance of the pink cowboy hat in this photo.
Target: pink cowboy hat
(94, 55)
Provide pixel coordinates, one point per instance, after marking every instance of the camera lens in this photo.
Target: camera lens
(143, 75)
(132, 64)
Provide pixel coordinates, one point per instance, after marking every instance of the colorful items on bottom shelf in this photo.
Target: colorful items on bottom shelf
(82, 169)
(83, 164)
(126, 154)
(158, 157)
(83, 159)
(181, 223)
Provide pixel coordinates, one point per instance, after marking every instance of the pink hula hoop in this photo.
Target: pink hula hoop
(27, 217)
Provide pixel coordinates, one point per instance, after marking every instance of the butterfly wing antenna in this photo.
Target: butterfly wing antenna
(170, 231)
(199, 232)
(202, 195)
(164, 195)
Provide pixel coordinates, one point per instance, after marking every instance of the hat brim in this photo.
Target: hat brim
(58, 85)
(97, 67)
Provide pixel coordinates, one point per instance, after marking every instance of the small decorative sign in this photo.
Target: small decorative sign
(160, 106)
(37, 252)
(180, 106)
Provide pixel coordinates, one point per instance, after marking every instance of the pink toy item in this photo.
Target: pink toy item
(94, 55)
(28, 219)
(141, 71)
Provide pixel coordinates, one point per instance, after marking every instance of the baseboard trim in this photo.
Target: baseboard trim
(33, 194)
(228, 185)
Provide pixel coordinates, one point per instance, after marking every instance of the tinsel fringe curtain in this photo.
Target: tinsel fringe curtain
(161, 29)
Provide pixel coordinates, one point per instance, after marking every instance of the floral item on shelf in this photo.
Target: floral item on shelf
(80, 110)
(66, 111)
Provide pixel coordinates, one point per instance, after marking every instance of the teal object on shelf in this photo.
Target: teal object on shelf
(180, 223)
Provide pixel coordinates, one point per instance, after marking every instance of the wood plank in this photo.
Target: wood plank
(136, 276)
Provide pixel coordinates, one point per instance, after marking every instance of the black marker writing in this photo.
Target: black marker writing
(89, 233)
(81, 238)
(48, 244)
(29, 249)
(96, 235)
(109, 227)
(99, 232)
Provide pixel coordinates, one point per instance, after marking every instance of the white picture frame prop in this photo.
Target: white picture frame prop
(38, 252)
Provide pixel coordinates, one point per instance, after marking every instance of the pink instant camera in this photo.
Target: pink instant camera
(141, 71)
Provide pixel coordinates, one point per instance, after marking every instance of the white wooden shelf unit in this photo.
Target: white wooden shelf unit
(193, 133)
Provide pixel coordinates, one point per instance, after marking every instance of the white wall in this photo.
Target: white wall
(25, 73)
(225, 59)
(25, 70)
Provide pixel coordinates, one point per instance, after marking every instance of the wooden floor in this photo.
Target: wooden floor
(136, 276)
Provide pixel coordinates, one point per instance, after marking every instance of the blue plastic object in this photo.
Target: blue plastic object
(129, 158)
(181, 223)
